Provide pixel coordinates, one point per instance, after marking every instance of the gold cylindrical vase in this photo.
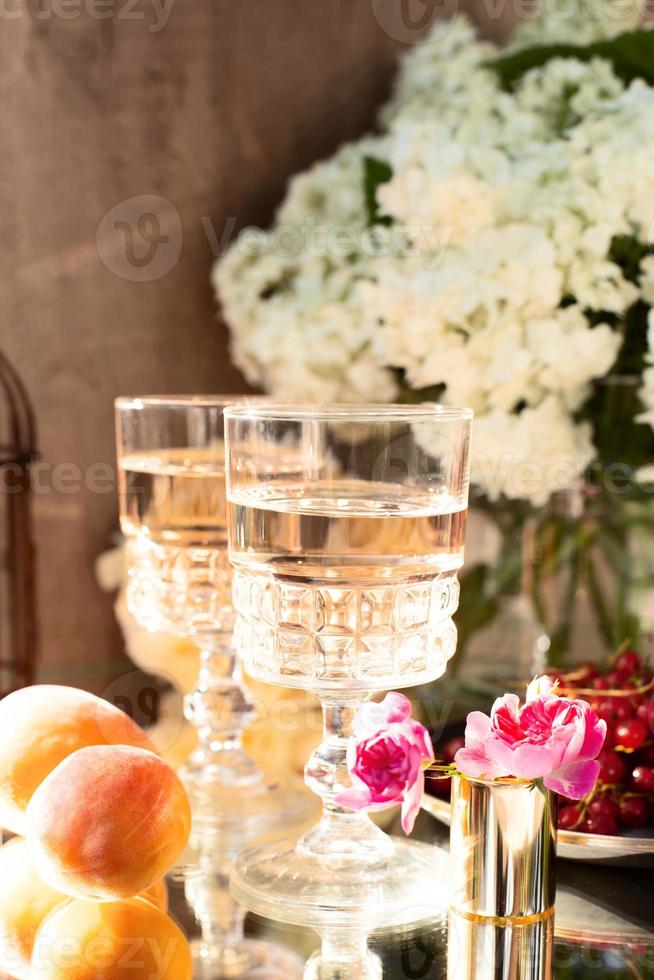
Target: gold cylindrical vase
(502, 849)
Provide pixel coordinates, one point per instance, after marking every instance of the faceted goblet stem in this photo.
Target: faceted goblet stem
(220, 708)
(341, 837)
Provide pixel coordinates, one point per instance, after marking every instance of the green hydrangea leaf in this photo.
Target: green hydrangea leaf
(631, 54)
(627, 252)
(375, 173)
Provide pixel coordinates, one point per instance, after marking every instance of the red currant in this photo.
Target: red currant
(630, 734)
(600, 684)
(634, 811)
(604, 806)
(451, 748)
(439, 787)
(642, 711)
(628, 664)
(648, 720)
(612, 708)
(642, 778)
(601, 824)
(569, 817)
(612, 767)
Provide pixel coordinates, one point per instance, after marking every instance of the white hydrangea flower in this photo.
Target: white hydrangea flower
(531, 455)
(583, 23)
(570, 353)
(564, 91)
(311, 345)
(453, 209)
(504, 208)
(438, 77)
(331, 192)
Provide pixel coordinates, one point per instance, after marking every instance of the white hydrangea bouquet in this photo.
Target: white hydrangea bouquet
(492, 245)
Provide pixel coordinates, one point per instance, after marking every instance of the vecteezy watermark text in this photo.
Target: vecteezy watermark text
(140, 239)
(428, 21)
(153, 13)
(520, 476)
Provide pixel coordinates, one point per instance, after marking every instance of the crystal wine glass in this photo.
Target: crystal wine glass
(345, 582)
(171, 462)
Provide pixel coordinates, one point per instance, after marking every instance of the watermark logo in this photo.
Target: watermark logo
(140, 239)
(410, 21)
(144, 704)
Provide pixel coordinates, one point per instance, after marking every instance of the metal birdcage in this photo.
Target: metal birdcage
(18, 631)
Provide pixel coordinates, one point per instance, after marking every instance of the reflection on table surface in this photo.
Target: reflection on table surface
(603, 928)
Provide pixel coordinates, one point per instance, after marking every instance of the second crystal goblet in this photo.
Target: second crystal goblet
(345, 584)
(173, 514)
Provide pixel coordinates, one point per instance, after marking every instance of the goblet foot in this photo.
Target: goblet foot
(251, 959)
(404, 883)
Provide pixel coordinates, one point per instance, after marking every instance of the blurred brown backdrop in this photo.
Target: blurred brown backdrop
(199, 109)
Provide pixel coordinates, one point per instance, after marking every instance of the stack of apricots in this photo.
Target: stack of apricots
(100, 819)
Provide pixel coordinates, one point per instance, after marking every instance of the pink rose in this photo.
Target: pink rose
(385, 759)
(556, 739)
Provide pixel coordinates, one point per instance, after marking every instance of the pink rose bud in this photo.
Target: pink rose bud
(385, 759)
(550, 738)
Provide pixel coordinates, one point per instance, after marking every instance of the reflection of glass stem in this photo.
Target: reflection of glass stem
(219, 708)
(221, 950)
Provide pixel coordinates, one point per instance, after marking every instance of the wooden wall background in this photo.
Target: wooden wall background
(209, 112)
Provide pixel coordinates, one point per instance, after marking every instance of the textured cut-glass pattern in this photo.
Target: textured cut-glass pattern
(180, 590)
(312, 636)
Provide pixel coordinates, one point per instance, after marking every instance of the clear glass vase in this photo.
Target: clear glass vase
(573, 579)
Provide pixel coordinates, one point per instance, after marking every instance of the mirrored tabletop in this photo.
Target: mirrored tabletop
(603, 927)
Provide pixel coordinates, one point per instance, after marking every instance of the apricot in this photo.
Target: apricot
(41, 726)
(108, 822)
(127, 940)
(25, 901)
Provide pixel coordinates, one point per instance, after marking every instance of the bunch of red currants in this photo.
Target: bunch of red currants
(623, 696)
(624, 795)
